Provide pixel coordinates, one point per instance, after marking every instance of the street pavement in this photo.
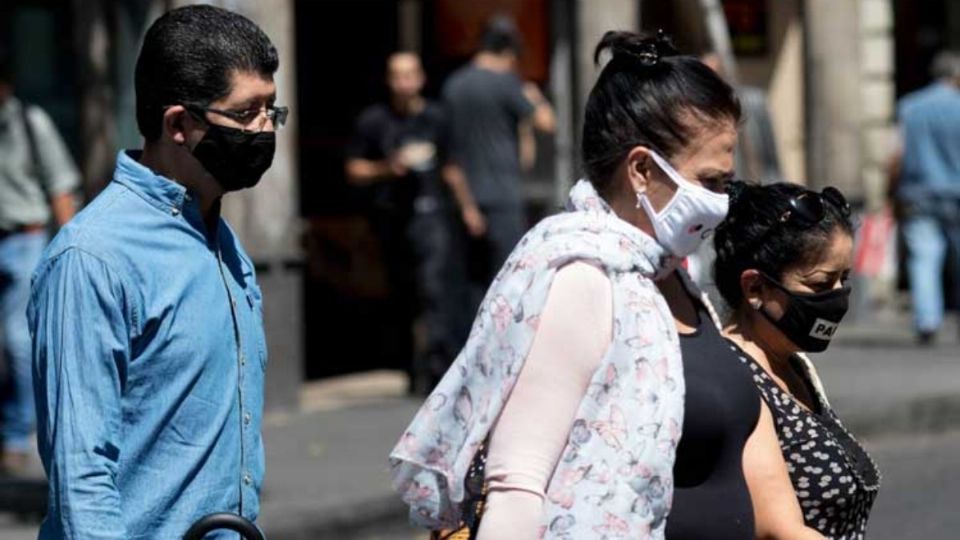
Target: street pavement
(880, 382)
(327, 475)
(919, 489)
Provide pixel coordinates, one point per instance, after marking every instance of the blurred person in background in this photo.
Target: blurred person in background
(562, 416)
(784, 256)
(401, 150)
(489, 104)
(148, 345)
(38, 181)
(924, 175)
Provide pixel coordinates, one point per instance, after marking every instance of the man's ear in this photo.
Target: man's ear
(638, 168)
(176, 120)
(751, 285)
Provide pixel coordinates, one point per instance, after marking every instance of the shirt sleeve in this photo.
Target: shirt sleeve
(517, 102)
(81, 350)
(59, 171)
(575, 331)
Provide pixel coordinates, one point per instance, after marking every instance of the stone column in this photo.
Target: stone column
(565, 94)
(878, 96)
(832, 41)
(595, 18)
(92, 29)
(877, 132)
(587, 21)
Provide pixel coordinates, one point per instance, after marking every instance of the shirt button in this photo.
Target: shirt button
(175, 211)
(233, 303)
(243, 359)
(247, 418)
(247, 480)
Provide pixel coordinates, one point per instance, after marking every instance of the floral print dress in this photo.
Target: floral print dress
(614, 478)
(835, 479)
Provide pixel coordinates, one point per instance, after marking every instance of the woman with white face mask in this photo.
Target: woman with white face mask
(562, 415)
(783, 258)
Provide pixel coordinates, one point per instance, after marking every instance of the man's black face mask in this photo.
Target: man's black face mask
(236, 159)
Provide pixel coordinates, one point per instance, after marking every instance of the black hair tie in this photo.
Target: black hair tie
(649, 51)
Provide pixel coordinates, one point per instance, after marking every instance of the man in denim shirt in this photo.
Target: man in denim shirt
(146, 318)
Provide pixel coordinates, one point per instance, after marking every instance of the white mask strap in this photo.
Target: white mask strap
(678, 179)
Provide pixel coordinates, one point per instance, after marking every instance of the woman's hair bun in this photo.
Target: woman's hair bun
(644, 49)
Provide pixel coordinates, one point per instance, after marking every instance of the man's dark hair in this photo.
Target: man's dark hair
(500, 36)
(648, 95)
(188, 57)
(754, 235)
(946, 65)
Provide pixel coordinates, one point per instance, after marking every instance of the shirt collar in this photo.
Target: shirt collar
(157, 190)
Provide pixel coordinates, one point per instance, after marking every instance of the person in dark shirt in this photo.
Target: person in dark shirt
(488, 103)
(399, 151)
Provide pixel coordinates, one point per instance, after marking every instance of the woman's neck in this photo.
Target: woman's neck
(773, 352)
(681, 303)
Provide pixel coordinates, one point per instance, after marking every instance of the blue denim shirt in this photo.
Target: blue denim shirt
(930, 127)
(149, 359)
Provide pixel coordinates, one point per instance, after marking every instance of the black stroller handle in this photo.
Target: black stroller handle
(230, 522)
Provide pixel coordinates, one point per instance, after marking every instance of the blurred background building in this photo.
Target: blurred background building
(831, 70)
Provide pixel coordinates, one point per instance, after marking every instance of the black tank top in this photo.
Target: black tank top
(722, 406)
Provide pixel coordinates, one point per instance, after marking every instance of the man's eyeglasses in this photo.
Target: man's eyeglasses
(809, 208)
(251, 121)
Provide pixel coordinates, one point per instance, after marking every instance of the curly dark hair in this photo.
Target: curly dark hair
(753, 236)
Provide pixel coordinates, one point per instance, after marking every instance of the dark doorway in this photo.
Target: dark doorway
(37, 35)
(921, 29)
(351, 323)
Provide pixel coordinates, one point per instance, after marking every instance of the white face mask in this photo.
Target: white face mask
(689, 217)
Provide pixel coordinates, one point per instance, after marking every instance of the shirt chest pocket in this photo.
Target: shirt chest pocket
(255, 313)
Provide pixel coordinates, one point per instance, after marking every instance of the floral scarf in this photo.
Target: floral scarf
(614, 478)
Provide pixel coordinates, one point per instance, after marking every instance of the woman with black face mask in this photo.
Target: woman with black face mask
(783, 259)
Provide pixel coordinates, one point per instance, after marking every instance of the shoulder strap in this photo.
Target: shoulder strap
(814, 378)
(32, 146)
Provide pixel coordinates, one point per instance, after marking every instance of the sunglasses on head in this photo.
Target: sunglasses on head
(809, 208)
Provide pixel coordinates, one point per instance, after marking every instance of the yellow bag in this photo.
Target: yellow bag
(475, 488)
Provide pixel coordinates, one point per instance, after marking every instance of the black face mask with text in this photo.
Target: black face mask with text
(237, 160)
(811, 319)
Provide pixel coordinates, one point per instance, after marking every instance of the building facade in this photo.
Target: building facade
(831, 70)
